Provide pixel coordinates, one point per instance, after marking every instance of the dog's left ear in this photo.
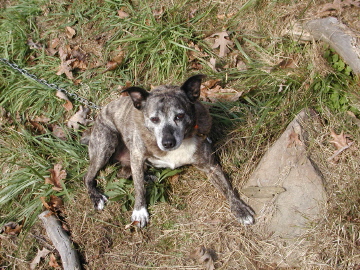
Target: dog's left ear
(192, 87)
(138, 96)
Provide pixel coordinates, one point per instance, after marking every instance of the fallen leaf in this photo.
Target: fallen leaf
(132, 224)
(192, 12)
(56, 177)
(294, 139)
(42, 119)
(287, 63)
(70, 32)
(59, 132)
(123, 87)
(40, 255)
(212, 64)
(211, 91)
(52, 48)
(37, 127)
(79, 118)
(337, 6)
(202, 255)
(222, 42)
(33, 45)
(159, 12)
(111, 65)
(122, 14)
(119, 57)
(54, 205)
(65, 67)
(53, 262)
(225, 16)
(341, 142)
(12, 228)
(68, 105)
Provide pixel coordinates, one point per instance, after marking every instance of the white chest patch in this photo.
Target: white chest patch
(184, 155)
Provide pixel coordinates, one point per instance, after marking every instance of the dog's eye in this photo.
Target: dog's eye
(155, 120)
(179, 116)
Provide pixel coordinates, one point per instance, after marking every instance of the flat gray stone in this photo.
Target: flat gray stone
(286, 190)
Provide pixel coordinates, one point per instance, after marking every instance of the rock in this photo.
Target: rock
(286, 189)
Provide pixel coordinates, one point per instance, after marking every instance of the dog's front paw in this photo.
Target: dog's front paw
(141, 215)
(99, 200)
(243, 213)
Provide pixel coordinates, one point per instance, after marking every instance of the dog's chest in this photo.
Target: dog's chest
(184, 155)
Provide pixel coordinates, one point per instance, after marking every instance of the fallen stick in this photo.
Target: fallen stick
(61, 241)
(339, 37)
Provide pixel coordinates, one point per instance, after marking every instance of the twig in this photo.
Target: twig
(338, 152)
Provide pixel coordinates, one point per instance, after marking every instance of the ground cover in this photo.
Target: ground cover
(259, 78)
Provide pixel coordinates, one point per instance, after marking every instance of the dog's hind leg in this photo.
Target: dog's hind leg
(102, 145)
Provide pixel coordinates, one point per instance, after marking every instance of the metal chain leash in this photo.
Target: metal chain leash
(74, 96)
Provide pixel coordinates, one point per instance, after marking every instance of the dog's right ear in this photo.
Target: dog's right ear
(138, 96)
(192, 87)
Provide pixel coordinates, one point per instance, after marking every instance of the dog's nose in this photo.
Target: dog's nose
(168, 143)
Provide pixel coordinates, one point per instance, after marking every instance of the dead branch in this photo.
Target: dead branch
(61, 241)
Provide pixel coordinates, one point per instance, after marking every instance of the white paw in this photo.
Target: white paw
(249, 220)
(141, 215)
(101, 203)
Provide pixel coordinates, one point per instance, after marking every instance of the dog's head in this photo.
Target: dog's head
(169, 111)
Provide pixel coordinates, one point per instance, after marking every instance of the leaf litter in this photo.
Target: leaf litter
(341, 142)
(57, 175)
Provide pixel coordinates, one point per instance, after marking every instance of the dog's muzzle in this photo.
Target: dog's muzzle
(168, 142)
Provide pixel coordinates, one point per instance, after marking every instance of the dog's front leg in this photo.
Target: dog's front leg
(140, 212)
(240, 209)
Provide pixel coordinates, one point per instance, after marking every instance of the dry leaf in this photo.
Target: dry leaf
(59, 132)
(212, 91)
(12, 228)
(341, 142)
(53, 262)
(70, 32)
(192, 12)
(225, 16)
(159, 12)
(212, 64)
(337, 6)
(111, 65)
(54, 205)
(294, 139)
(132, 224)
(38, 127)
(71, 59)
(40, 255)
(56, 177)
(203, 256)
(123, 87)
(42, 119)
(222, 42)
(122, 14)
(65, 67)
(79, 118)
(68, 105)
(33, 45)
(53, 44)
